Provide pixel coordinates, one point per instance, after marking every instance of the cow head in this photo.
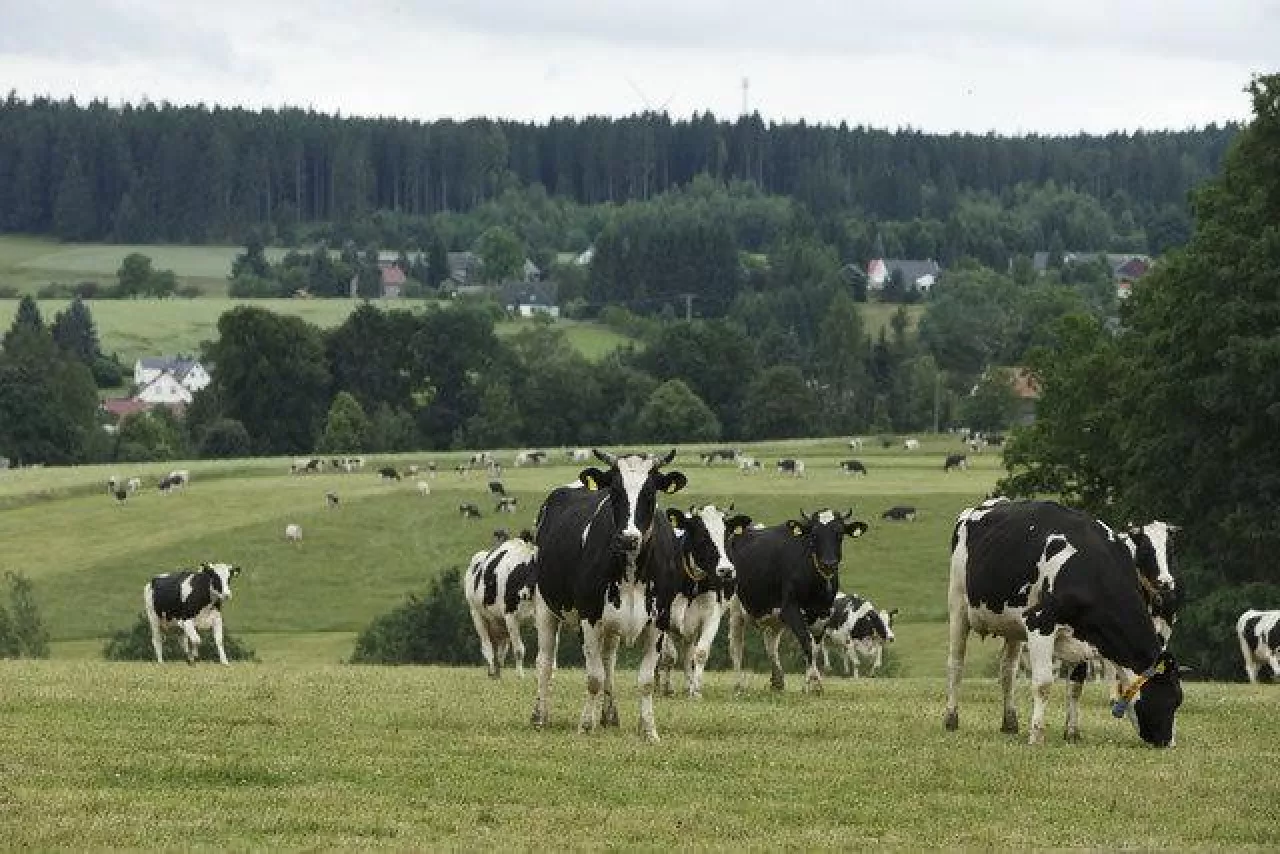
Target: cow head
(1152, 712)
(633, 482)
(220, 575)
(886, 620)
(705, 532)
(824, 534)
(1153, 557)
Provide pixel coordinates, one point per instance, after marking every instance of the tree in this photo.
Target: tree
(991, 404)
(73, 330)
(253, 261)
(74, 215)
(779, 404)
(347, 429)
(437, 262)
(27, 318)
(673, 413)
(134, 275)
(841, 365)
(224, 439)
(501, 253)
(48, 400)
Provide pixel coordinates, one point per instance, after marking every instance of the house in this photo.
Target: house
(393, 281)
(584, 257)
(1126, 267)
(164, 389)
(186, 370)
(463, 267)
(1027, 391)
(529, 298)
(921, 275)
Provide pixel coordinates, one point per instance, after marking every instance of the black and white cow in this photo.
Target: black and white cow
(1066, 585)
(900, 513)
(1259, 635)
(469, 510)
(499, 593)
(791, 466)
(727, 454)
(177, 479)
(609, 560)
(853, 467)
(857, 630)
(388, 473)
(706, 586)
(496, 488)
(955, 461)
(506, 504)
(192, 600)
(788, 577)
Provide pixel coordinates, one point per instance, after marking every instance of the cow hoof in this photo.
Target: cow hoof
(668, 691)
(1010, 722)
(814, 687)
(494, 674)
(1071, 736)
(776, 682)
(1037, 737)
(610, 716)
(649, 734)
(538, 719)
(952, 721)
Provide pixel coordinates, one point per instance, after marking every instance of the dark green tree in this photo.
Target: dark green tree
(74, 214)
(224, 439)
(780, 404)
(346, 430)
(74, 331)
(674, 414)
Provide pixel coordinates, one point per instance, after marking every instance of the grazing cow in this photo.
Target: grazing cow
(788, 576)
(727, 454)
(955, 461)
(120, 495)
(706, 586)
(331, 499)
(412, 470)
(173, 480)
(481, 459)
(995, 440)
(858, 630)
(496, 487)
(388, 473)
(578, 455)
(499, 591)
(1066, 584)
(469, 511)
(312, 465)
(856, 443)
(747, 465)
(424, 488)
(900, 513)
(608, 559)
(133, 484)
(192, 600)
(529, 458)
(910, 444)
(293, 533)
(853, 467)
(506, 504)
(113, 484)
(790, 466)
(1259, 634)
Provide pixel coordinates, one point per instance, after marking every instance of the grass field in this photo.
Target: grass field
(300, 751)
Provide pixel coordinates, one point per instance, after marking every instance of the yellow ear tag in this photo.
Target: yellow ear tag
(739, 530)
(591, 483)
(796, 530)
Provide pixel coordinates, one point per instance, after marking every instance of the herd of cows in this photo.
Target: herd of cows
(604, 559)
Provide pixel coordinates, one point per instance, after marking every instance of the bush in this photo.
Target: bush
(134, 644)
(22, 631)
(9, 292)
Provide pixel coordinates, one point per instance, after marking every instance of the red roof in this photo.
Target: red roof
(392, 275)
(124, 406)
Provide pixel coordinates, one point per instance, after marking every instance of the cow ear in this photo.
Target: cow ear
(738, 524)
(1173, 529)
(796, 528)
(855, 529)
(592, 478)
(893, 612)
(235, 570)
(672, 482)
(676, 517)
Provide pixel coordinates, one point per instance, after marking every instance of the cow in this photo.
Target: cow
(191, 599)
(174, 480)
(791, 466)
(293, 532)
(608, 559)
(1066, 584)
(120, 495)
(506, 504)
(113, 484)
(853, 467)
(578, 455)
(469, 511)
(496, 487)
(480, 459)
(424, 488)
(312, 465)
(388, 473)
(1259, 635)
(706, 586)
(133, 484)
(747, 465)
(499, 593)
(910, 444)
(788, 577)
(727, 454)
(331, 500)
(995, 440)
(858, 630)
(411, 470)
(529, 458)
(900, 513)
(856, 443)
(955, 461)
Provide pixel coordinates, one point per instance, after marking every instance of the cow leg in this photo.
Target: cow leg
(609, 653)
(591, 652)
(701, 651)
(157, 635)
(1250, 663)
(486, 644)
(666, 663)
(651, 639)
(1009, 656)
(772, 637)
(795, 621)
(958, 640)
(826, 660)
(548, 628)
(737, 642)
(517, 643)
(1040, 651)
(1111, 675)
(192, 646)
(1274, 663)
(878, 661)
(216, 626)
(1075, 687)
(852, 661)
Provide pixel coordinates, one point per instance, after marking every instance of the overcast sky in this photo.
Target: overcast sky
(1013, 66)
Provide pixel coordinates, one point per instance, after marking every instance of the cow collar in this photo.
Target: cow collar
(691, 569)
(817, 565)
(1121, 705)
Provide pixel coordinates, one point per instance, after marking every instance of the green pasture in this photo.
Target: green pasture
(155, 327)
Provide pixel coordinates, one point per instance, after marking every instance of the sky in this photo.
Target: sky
(1008, 66)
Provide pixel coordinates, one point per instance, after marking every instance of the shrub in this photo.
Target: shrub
(22, 631)
(134, 644)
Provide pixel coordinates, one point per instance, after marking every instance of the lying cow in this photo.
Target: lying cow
(853, 467)
(706, 586)
(388, 473)
(791, 466)
(900, 513)
(499, 592)
(788, 577)
(748, 465)
(727, 454)
(192, 601)
(1066, 585)
(955, 461)
(1259, 636)
(858, 630)
(469, 510)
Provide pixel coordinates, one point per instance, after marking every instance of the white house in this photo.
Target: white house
(165, 388)
(186, 370)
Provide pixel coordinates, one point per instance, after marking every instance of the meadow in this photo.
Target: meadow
(302, 751)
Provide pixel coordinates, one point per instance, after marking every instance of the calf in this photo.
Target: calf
(900, 513)
(469, 511)
(1259, 636)
(496, 487)
(706, 586)
(388, 473)
(858, 630)
(609, 560)
(727, 454)
(1067, 585)
(529, 458)
(133, 484)
(853, 467)
(578, 455)
(172, 481)
(791, 466)
(499, 591)
(955, 461)
(331, 500)
(788, 576)
(192, 601)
